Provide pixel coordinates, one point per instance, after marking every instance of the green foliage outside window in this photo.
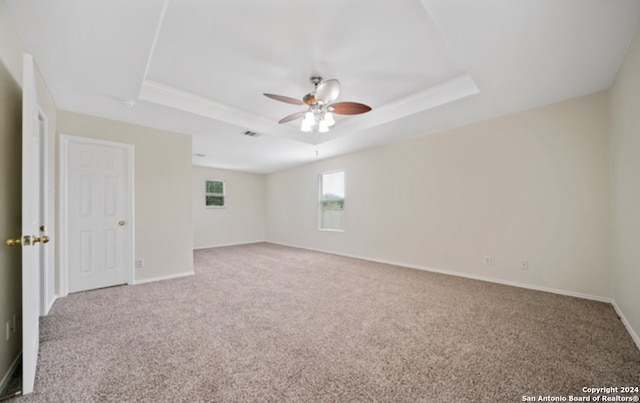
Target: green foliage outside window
(214, 194)
(332, 201)
(215, 187)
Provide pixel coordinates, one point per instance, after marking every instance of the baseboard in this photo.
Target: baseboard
(465, 275)
(162, 278)
(626, 324)
(50, 304)
(227, 244)
(7, 377)
(611, 301)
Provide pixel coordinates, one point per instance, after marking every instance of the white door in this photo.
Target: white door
(97, 180)
(32, 238)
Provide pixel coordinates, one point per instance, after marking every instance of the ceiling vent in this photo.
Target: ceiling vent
(250, 133)
(129, 103)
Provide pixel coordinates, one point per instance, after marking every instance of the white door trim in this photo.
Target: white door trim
(47, 259)
(63, 259)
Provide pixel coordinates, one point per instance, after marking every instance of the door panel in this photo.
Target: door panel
(98, 198)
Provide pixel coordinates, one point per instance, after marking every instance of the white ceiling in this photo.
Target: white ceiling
(200, 67)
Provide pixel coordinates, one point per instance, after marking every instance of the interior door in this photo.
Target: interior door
(31, 234)
(98, 209)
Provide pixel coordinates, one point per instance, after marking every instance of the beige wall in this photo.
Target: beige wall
(163, 230)
(242, 219)
(10, 273)
(528, 186)
(625, 151)
(11, 54)
(11, 46)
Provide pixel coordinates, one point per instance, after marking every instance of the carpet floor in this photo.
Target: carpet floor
(268, 323)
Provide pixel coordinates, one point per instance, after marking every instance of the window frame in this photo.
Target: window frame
(344, 197)
(223, 194)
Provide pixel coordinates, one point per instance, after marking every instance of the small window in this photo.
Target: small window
(214, 194)
(332, 201)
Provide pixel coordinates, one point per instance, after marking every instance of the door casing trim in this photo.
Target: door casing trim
(63, 259)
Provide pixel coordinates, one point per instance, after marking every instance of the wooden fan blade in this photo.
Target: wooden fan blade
(328, 91)
(350, 108)
(291, 117)
(284, 99)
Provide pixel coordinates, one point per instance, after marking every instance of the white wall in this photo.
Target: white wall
(242, 219)
(163, 230)
(625, 151)
(528, 186)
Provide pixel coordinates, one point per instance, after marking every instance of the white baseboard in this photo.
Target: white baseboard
(465, 275)
(10, 371)
(611, 301)
(227, 244)
(50, 304)
(626, 323)
(161, 278)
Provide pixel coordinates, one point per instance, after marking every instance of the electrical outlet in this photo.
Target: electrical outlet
(487, 260)
(524, 265)
(139, 263)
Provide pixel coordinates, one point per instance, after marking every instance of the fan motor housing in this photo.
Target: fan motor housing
(309, 99)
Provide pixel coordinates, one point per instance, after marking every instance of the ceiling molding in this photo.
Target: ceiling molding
(163, 13)
(449, 91)
(185, 101)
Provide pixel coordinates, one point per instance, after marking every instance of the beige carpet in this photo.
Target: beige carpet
(264, 323)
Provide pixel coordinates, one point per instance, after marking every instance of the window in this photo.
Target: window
(214, 194)
(332, 201)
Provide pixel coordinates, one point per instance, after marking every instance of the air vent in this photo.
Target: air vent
(250, 133)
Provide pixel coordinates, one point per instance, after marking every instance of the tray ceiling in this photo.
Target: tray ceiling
(201, 67)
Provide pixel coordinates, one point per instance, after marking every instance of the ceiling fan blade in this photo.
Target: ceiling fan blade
(284, 99)
(291, 117)
(328, 91)
(350, 108)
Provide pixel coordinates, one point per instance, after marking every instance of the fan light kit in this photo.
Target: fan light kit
(319, 114)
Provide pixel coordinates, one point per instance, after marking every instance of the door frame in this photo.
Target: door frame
(63, 236)
(48, 293)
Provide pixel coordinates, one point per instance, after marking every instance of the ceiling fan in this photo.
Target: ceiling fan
(319, 114)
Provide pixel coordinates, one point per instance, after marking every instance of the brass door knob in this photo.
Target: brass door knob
(43, 239)
(13, 241)
(121, 223)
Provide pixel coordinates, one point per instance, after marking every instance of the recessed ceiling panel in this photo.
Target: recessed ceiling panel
(234, 50)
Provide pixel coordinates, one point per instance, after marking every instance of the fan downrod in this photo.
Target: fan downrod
(310, 98)
(315, 80)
